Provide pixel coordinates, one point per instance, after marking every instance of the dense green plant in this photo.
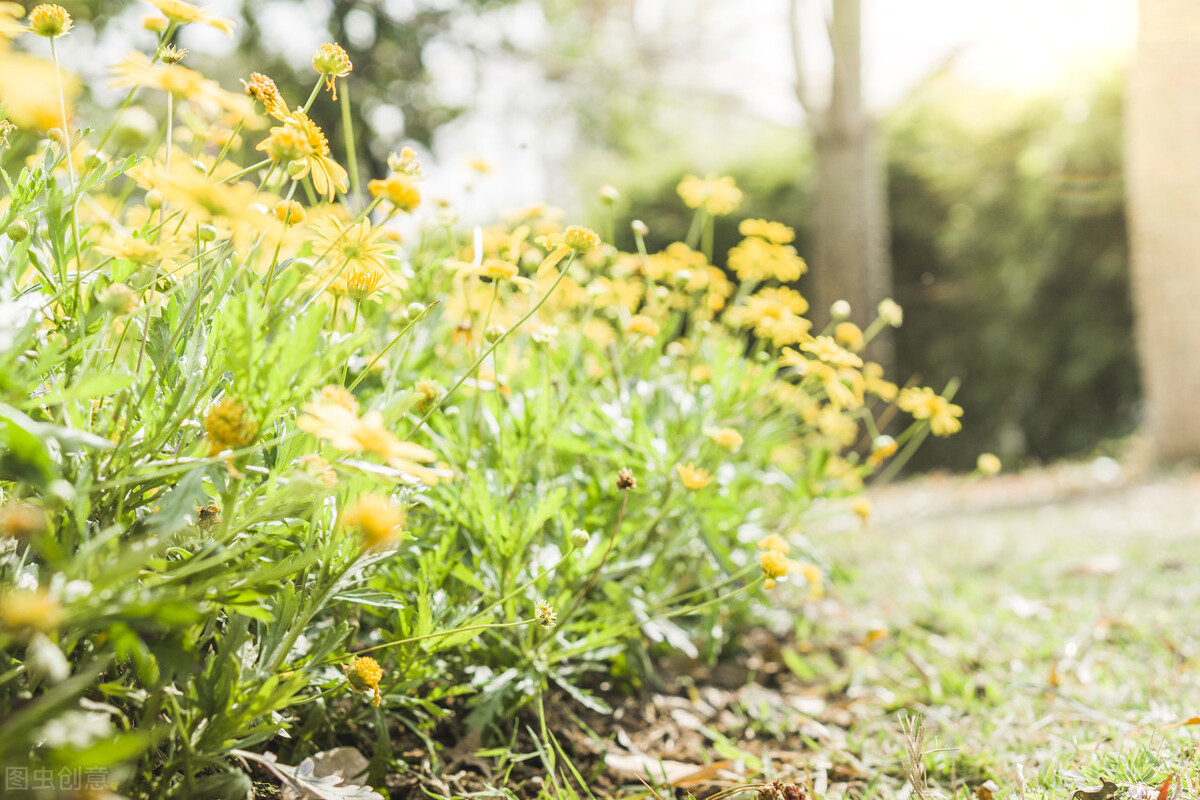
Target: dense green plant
(213, 540)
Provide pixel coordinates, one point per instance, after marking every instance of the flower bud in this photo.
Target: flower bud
(154, 199)
(839, 310)
(579, 538)
(17, 230)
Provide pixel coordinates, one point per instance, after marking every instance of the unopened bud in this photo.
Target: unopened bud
(17, 230)
(579, 538)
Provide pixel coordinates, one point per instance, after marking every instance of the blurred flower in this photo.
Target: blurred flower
(924, 403)
(362, 282)
(775, 543)
(773, 232)
(332, 62)
(883, 448)
(480, 165)
(693, 477)
(891, 312)
(774, 314)
(6, 128)
(397, 189)
(625, 479)
(755, 259)
(289, 212)
(29, 91)
(363, 674)
(228, 427)
(774, 566)
(862, 508)
(725, 437)
(641, 325)
(718, 196)
(375, 518)
(10, 16)
(183, 13)
(22, 520)
(828, 351)
(25, 610)
(988, 464)
(849, 336)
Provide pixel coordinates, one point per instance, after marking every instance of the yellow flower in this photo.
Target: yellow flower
(29, 91)
(773, 232)
(170, 54)
(755, 259)
(988, 464)
(774, 566)
(362, 282)
(183, 13)
(397, 189)
(136, 69)
(874, 382)
(363, 674)
(375, 518)
(725, 437)
(23, 610)
(332, 62)
(641, 325)
(775, 314)
(6, 128)
(22, 520)
(693, 477)
(10, 16)
(350, 247)
(346, 431)
(830, 352)
(718, 196)
(49, 20)
(775, 543)
(576, 237)
(228, 427)
(862, 508)
(546, 616)
(302, 145)
(480, 165)
(580, 239)
(264, 90)
(924, 403)
(289, 212)
(849, 336)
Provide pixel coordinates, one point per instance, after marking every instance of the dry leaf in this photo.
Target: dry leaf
(1164, 791)
(1101, 792)
(1142, 791)
(676, 773)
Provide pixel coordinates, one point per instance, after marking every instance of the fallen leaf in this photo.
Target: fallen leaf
(1164, 791)
(1105, 564)
(986, 790)
(1102, 792)
(1142, 791)
(676, 773)
(1189, 721)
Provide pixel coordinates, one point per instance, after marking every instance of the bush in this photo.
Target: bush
(213, 537)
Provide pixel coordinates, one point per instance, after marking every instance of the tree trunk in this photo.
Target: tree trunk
(1163, 205)
(850, 252)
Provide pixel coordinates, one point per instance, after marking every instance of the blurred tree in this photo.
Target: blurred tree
(389, 43)
(850, 250)
(1163, 134)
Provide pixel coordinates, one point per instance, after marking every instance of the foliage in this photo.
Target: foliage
(212, 537)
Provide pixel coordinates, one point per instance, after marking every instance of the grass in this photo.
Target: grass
(1044, 645)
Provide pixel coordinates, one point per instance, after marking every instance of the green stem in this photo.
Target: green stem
(348, 135)
(66, 142)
